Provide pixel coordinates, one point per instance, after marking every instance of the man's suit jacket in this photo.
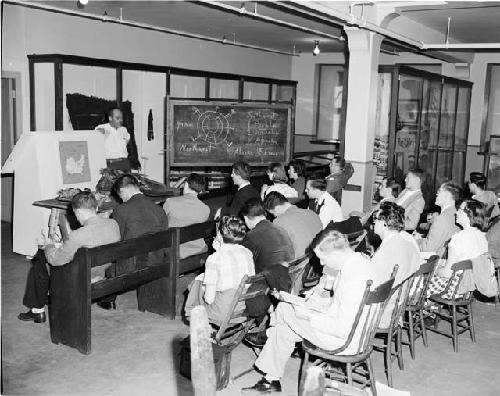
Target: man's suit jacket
(139, 216)
(136, 217)
(414, 206)
(441, 230)
(269, 244)
(239, 200)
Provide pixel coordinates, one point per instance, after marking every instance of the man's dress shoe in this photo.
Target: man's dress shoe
(262, 387)
(32, 317)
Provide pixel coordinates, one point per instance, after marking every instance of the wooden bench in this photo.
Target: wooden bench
(155, 277)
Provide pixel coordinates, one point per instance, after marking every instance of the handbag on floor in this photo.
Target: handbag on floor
(222, 362)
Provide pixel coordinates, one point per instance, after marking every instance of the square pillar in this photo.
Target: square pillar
(364, 48)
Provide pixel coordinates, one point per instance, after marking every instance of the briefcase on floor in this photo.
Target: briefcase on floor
(222, 362)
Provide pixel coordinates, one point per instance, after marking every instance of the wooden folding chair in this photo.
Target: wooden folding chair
(372, 304)
(415, 307)
(459, 306)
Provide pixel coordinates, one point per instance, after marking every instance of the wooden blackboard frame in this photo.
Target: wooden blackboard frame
(169, 150)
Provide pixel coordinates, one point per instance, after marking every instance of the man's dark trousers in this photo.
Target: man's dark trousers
(37, 285)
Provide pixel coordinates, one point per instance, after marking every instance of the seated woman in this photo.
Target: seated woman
(224, 269)
(464, 245)
(297, 175)
(276, 173)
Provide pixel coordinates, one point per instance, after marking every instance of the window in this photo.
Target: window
(329, 105)
(491, 122)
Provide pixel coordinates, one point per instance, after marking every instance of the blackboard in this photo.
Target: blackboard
(216, 133)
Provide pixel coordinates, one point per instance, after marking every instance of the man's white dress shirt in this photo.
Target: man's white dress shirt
(115, 141)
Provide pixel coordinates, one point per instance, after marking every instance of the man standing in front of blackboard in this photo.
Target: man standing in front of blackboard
(240, 175)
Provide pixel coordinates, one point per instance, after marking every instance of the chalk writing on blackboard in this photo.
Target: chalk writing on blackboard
(209, 133)
(213, 128)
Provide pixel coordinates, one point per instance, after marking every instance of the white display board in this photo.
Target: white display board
(43, 162)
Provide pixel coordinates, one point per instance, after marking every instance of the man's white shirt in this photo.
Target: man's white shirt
(115, 141)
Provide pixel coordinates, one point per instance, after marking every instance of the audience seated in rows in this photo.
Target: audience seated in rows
(327, 208)
(240, 175)
(340, 173)
(269, 244)
(394, 250)
(297, 177)
(477, 186)
(411, 199)
(323, 320)
(277, 175)
(95, 231)
(215, 288)
(443, 226)
(466, 244)
(187, 209)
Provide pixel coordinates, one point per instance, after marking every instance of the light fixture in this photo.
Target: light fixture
(83, 2)
(316, 49)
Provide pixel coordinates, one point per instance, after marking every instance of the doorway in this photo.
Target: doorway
(11, 130)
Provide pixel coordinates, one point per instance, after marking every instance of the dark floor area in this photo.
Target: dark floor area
(135, 353)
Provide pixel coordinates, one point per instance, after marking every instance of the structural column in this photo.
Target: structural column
(364, 48)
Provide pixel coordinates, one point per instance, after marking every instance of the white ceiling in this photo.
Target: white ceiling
(470, 21)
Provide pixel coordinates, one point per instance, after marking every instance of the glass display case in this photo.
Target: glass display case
(427, 128)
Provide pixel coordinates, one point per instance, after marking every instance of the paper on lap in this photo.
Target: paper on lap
(314, 303)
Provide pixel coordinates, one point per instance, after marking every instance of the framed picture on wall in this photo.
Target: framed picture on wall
(409, 111)
(495, 144)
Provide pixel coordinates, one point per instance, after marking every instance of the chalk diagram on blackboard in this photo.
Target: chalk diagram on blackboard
(213, 127)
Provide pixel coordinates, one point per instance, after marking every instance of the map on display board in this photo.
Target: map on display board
(222, 133)
(74, 157)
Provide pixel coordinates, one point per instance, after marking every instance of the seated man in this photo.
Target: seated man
(477, 186)
(443, 226)
(340, 173)
(329, 329)
(301, 225)
(241, 178)
(394, 249)
(95, 231)
(136, 216)
(411, 199)
(327, 208)
(269, 244)
(187, 209)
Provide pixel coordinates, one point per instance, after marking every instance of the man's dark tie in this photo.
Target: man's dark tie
(319, 206)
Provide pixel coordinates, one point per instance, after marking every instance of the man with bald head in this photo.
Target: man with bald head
(116, 138)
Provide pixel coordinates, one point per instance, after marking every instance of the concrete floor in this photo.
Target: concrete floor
(135, 353)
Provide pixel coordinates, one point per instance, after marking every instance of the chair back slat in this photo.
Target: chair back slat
(459, 269)
(375, 302)
(237, 308)
(421, 281)
(401, 293)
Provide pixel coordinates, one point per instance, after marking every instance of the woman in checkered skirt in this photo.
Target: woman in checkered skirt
(464, 245)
